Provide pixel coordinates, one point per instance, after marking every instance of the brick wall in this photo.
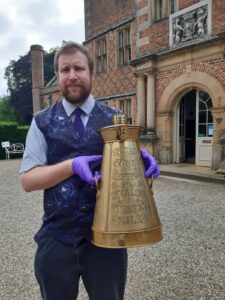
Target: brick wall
(103, 14)
(116, 80)
(218, 16)
(215, 68)
(185, 3)
(156, 36)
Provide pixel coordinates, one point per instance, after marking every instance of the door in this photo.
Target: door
(181, 143)
(204, 129)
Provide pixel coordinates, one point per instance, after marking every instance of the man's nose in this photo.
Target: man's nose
(72, 74)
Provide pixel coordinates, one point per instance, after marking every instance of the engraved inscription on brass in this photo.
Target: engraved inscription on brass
(126, 205)
(125, 212)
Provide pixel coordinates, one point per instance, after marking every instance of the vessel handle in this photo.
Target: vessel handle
(150, 181)
(97, 186)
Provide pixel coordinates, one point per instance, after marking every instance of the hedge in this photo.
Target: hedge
(10, 131)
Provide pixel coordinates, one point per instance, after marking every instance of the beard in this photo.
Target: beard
(76, 94)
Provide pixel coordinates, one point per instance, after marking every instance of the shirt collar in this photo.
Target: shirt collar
(87, 106)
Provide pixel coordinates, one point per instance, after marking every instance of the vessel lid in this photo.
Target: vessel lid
(119, 119)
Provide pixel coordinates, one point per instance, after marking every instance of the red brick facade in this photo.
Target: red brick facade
(160, 74)
(101, 15)
(158, 32)
(104, 19)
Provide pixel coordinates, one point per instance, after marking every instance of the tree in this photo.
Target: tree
(6, 110)
(18, 75)
(19, 80)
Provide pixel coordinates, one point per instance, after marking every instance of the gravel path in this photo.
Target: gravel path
(189, 263)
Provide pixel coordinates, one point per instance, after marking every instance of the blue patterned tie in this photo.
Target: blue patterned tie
(78, 124)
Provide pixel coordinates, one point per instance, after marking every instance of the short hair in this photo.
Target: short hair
(70, 48)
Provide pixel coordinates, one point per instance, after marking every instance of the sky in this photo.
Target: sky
(45, 22)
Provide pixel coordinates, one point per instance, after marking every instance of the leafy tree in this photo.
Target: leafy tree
(6, 110)
(18, 75)
(19, 81)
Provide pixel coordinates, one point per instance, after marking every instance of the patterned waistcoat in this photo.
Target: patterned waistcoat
(69, 206)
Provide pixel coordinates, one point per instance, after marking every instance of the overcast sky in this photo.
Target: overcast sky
(43, 22)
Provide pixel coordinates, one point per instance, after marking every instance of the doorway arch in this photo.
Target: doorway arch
(175, 91)
(186, 82)
(193, 129)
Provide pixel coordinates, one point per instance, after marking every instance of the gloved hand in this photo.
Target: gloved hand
(80, 166)
(151, 167)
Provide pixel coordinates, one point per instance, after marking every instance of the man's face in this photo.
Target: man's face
(75, 79)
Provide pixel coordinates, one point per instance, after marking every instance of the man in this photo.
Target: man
(62, 160)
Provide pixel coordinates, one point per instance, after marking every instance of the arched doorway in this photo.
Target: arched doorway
(167, 117)
(194, 129)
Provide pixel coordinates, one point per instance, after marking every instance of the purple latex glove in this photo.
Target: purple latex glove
(151, 167)
(80, 166)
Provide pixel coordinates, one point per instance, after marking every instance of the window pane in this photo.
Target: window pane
(104, 63)
(202, 117)
(129, 53)
(128, 36)
(210, 118)
(181, 130)
(101, 58)
(124, 51)
(160, 9)
(203, 96)
(121, 39)
(172, 6)
(129, 108)
(125, 106)
(202, 105)
(121, 57)
(98, 64)
(122, 106)
(103, 48)
(202, 130)
(98, 48)
(209, 103)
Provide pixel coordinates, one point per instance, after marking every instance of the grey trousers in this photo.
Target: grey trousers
(58, 268)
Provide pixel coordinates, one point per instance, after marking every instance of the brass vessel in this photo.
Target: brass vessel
(125, 213)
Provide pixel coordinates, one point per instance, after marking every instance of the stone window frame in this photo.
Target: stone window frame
(163, 8)
(123, 46)
(101, 55)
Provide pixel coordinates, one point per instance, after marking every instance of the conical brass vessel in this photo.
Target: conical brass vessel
(125, 212)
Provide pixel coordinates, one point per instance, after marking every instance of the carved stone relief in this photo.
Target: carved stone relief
(190, 25)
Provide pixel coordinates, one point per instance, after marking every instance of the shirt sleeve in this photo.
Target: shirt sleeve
(35, 153)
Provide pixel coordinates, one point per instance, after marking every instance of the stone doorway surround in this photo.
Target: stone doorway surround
(168, 102)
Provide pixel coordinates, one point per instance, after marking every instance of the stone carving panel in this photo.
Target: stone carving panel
(190, 24)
